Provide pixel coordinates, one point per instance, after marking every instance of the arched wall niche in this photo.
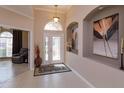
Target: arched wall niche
(87, 25)
(96, 14)
(72, 37)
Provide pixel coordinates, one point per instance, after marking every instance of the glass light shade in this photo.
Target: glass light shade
(56, 19)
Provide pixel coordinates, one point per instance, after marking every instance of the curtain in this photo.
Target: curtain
(17, 41)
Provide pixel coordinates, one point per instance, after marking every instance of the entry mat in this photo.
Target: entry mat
(51, 69)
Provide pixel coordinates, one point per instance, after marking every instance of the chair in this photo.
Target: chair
(20, 57)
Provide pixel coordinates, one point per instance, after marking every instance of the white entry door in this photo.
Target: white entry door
(53, 47)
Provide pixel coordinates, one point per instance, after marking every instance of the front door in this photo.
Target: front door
(53, 47)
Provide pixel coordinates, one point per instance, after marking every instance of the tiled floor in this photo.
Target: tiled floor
(8, 70)
(17, 75)
(59, 80)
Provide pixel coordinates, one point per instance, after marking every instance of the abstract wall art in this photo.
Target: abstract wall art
(106, 36)
(72, 37)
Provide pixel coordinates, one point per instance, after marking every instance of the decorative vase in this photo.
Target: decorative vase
(38, 60)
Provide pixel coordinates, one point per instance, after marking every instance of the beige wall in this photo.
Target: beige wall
(97, 74)
(40, 20)
(24, 39)
(11, 19)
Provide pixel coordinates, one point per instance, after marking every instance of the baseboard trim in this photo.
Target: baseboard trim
(82, 78)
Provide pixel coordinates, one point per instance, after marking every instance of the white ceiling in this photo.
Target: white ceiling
(27, 10)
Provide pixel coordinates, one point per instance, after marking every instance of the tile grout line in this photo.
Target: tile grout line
(82, 78)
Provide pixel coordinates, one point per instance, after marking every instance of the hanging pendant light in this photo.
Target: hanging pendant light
(56, 18)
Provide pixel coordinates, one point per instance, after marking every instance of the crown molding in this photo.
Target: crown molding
(48, 10)
(17, 12)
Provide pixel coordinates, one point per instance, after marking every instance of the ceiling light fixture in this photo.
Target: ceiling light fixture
(56, 18)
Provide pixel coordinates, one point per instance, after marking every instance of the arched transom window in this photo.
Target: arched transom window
(53, 26)
(6, 34)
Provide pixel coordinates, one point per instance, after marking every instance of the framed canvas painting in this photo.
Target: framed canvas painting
(106, 36)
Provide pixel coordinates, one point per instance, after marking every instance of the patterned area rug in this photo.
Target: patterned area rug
(51, 69)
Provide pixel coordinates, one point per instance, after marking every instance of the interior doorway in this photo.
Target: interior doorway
(53, 47)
